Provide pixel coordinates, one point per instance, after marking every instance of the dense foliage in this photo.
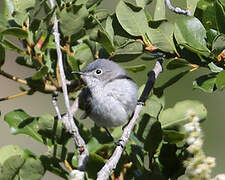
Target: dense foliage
(157, 147)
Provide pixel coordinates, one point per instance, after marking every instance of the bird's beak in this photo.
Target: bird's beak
(78, 72)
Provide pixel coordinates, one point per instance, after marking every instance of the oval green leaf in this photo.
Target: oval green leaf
(132, 18)
(162, 37)
(72, 19)
(14, 31)
(189, 32)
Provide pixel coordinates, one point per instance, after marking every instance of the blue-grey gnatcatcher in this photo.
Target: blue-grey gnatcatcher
(110, 96)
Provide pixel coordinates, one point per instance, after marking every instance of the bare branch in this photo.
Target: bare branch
(14, 78)
(107, 169)
(14, 96)
(177, 9)
(68, 118)
(47, 88)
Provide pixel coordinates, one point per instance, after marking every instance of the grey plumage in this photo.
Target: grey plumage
(110, 97)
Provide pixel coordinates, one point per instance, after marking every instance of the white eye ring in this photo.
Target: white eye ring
(98, 71)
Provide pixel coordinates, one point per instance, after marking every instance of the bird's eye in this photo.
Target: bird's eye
(98, 71)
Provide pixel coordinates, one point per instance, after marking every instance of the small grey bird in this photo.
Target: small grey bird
(110, 96)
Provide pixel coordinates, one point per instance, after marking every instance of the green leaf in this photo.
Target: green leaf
(190, 33)
(14, 31)
(92, 4)
(218, 44)
(172, 136)
(74, 64)
(11, 166)
(109, 27)
(83, 54)
(191, 5)
(2, 55)
(136, 68)
(214, 68)
(58, 151)
(52, 128)
(101, 14)
(207, 13)
(130, 49)
(32, 168)
(171, 165)
(21, 123)
(104, 39)
(206, 83)
(177, 63)
(132, 18)
(153, 138)
(143, 3)
(72, 19)
(95, 163)
(25, 61)
(22, 6)
(10, 46)
(8, 8)
(162, 37)
(160, 11)
(93, 145)
(152, 107)
(40, 73)
(181, 113)
(128, 52)
(220, 80)
(8, 151)
(220, 16)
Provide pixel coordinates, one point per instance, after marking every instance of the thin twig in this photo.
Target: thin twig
(111, 164)
(177, 9)
(68, 118)
(15, 96)
(47, 88)
(14, 78)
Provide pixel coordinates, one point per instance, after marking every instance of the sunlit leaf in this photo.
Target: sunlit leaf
(190, 33)
(21, 123)
(181, 113)
(11, 167)
(17, 32)
(132, 18)
(143, 3)
(160, 10)
(220, 80)
(32, 168)
(8, 151)
(214, 68)
(191, 5)
(72, 19)
(206, 83)
(162, 37)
